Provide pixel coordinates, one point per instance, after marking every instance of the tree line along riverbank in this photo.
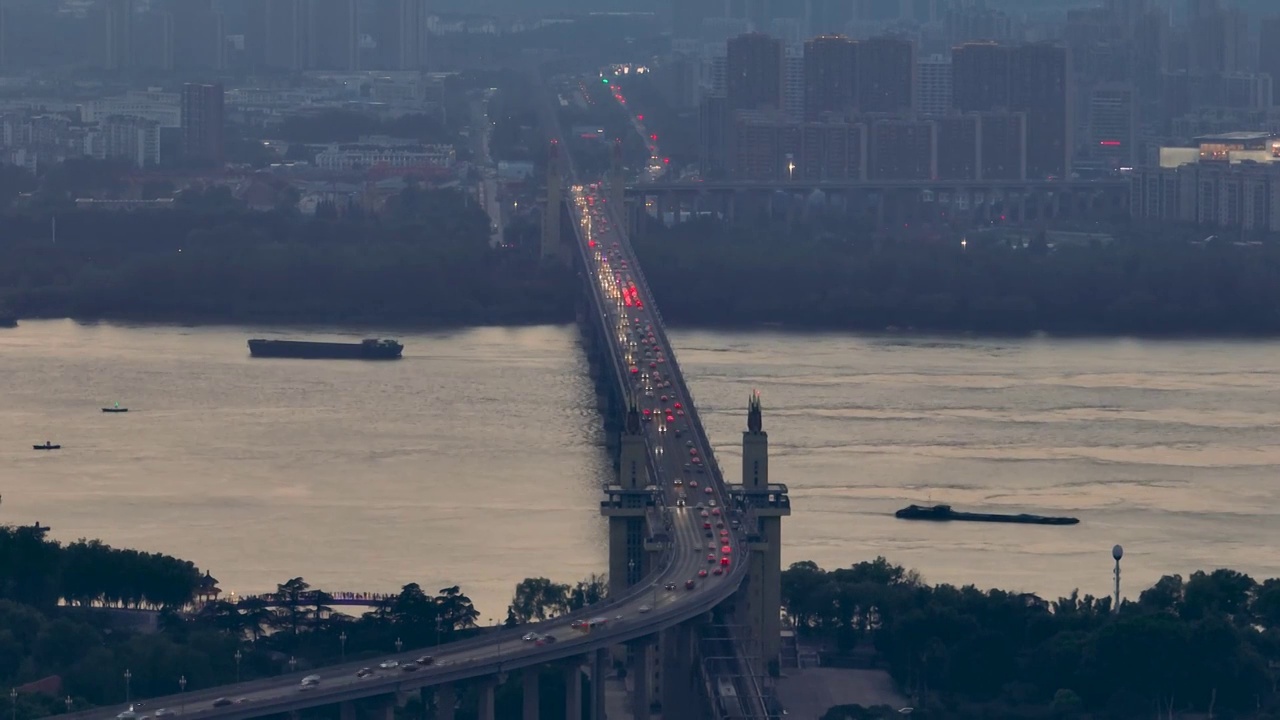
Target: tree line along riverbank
(426, 261)
(1209, 643)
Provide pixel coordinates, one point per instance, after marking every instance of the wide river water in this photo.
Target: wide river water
(476, 460)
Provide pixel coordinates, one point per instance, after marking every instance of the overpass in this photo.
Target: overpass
(670, 567)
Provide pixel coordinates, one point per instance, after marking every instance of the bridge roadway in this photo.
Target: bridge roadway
(801, 185)
(500, 651)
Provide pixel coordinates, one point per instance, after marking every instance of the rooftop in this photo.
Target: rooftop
(1235, 137)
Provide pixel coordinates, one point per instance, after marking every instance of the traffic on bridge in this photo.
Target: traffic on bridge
(699, 569)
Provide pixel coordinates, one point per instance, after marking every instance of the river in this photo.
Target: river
(476, 459)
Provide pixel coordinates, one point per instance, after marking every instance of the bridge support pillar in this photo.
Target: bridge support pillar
(676, 674)
(485, 700)
(573, 691)
(446, 701)
(530, 698)
(599, 668)
(641, 678)
(347, 710)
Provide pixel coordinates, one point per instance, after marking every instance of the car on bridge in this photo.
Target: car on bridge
(688, 585)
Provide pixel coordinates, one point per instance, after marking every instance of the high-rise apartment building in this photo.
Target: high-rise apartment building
(1269, 48)
(980, 76)
(1034, 79)
(124, 137)
(333, 35)
(284, 34)
(793, 81)
(886, 75)
(118, 38)
(830, 76)
(411, 46)
(1219, 37)
(196, 35)
(1040, 86)
(753, 70)
(933, 85)
(1113, 125)
(202, 123)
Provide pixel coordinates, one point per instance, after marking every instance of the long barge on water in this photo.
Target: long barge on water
(944, 513)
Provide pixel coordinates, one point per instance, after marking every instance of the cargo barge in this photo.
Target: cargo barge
(944, 513)
(370, 349)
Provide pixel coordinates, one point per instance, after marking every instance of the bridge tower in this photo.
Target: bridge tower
(763, 505)
(552, 244)
(617, 180)
(627, 504)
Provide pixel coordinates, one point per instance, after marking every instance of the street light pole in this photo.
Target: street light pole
(182, 688)
(1117, 552)
(293, 664)
(238, 656)
(399, 645)
(127, 677)
(342, 639)
(13, 701)
(69, 703)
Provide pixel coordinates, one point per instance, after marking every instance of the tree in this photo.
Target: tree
(293, 600)
(537, 599)
(456, 611)
(588, 591)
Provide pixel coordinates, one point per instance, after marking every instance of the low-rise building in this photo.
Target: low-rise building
(356, 156)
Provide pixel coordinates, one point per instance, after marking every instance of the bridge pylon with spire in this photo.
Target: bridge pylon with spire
(552, 245)
(762, 505)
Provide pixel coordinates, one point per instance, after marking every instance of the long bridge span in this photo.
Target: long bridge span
(688, 552)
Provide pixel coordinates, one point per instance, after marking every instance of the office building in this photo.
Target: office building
(886, 75)
(203, 120)
(753, 73)
(933, 85)
(830, 76)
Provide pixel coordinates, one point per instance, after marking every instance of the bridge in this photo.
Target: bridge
(889, 201)
(694, 562)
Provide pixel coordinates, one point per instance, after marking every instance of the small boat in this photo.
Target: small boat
(46, 446)
(115, 409)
